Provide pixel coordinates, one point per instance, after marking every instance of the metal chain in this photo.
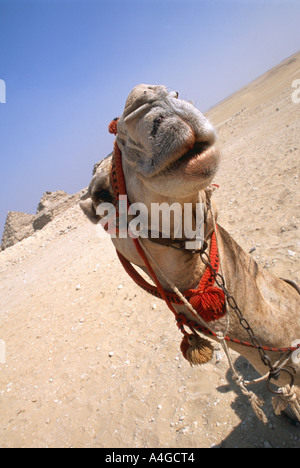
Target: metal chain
(274, 370)
(219, 279)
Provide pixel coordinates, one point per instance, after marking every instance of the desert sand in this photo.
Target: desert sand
(93, 361)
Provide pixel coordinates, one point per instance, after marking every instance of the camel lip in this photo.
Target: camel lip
(197, 150)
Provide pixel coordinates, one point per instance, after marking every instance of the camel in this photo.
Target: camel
(169, 153)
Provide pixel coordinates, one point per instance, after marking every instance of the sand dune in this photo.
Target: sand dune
(92, 361)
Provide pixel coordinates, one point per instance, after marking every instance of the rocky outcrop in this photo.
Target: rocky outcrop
(19, 225)
(51, 205)
(49, 199)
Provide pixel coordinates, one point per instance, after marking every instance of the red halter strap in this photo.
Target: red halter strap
(207, 300)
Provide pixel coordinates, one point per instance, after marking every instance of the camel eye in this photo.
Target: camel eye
(102, 196)
(174, 94)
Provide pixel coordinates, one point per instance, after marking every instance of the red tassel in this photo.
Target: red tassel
(210, 304)
(112, 128)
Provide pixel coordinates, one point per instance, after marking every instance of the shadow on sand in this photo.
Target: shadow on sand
(279, 432)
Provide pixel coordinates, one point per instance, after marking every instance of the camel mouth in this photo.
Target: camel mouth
(197, 150)
(202, 159)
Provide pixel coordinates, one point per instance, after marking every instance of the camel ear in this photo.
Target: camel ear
(100, 189)
(89, 210)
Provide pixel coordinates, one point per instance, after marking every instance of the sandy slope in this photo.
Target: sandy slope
(92, 361)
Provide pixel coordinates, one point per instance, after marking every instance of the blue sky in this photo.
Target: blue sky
(69, 65)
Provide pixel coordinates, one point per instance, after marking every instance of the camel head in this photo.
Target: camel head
(168, 150)
(166, 143)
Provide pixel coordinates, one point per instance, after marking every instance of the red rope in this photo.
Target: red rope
(119, 186)
(190, 323)
(207, 300)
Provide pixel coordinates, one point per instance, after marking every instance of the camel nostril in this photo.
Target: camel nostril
(156, 124)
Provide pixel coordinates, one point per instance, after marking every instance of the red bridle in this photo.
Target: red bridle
(207, 300)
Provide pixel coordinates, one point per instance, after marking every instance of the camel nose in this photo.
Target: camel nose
(99, 189)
